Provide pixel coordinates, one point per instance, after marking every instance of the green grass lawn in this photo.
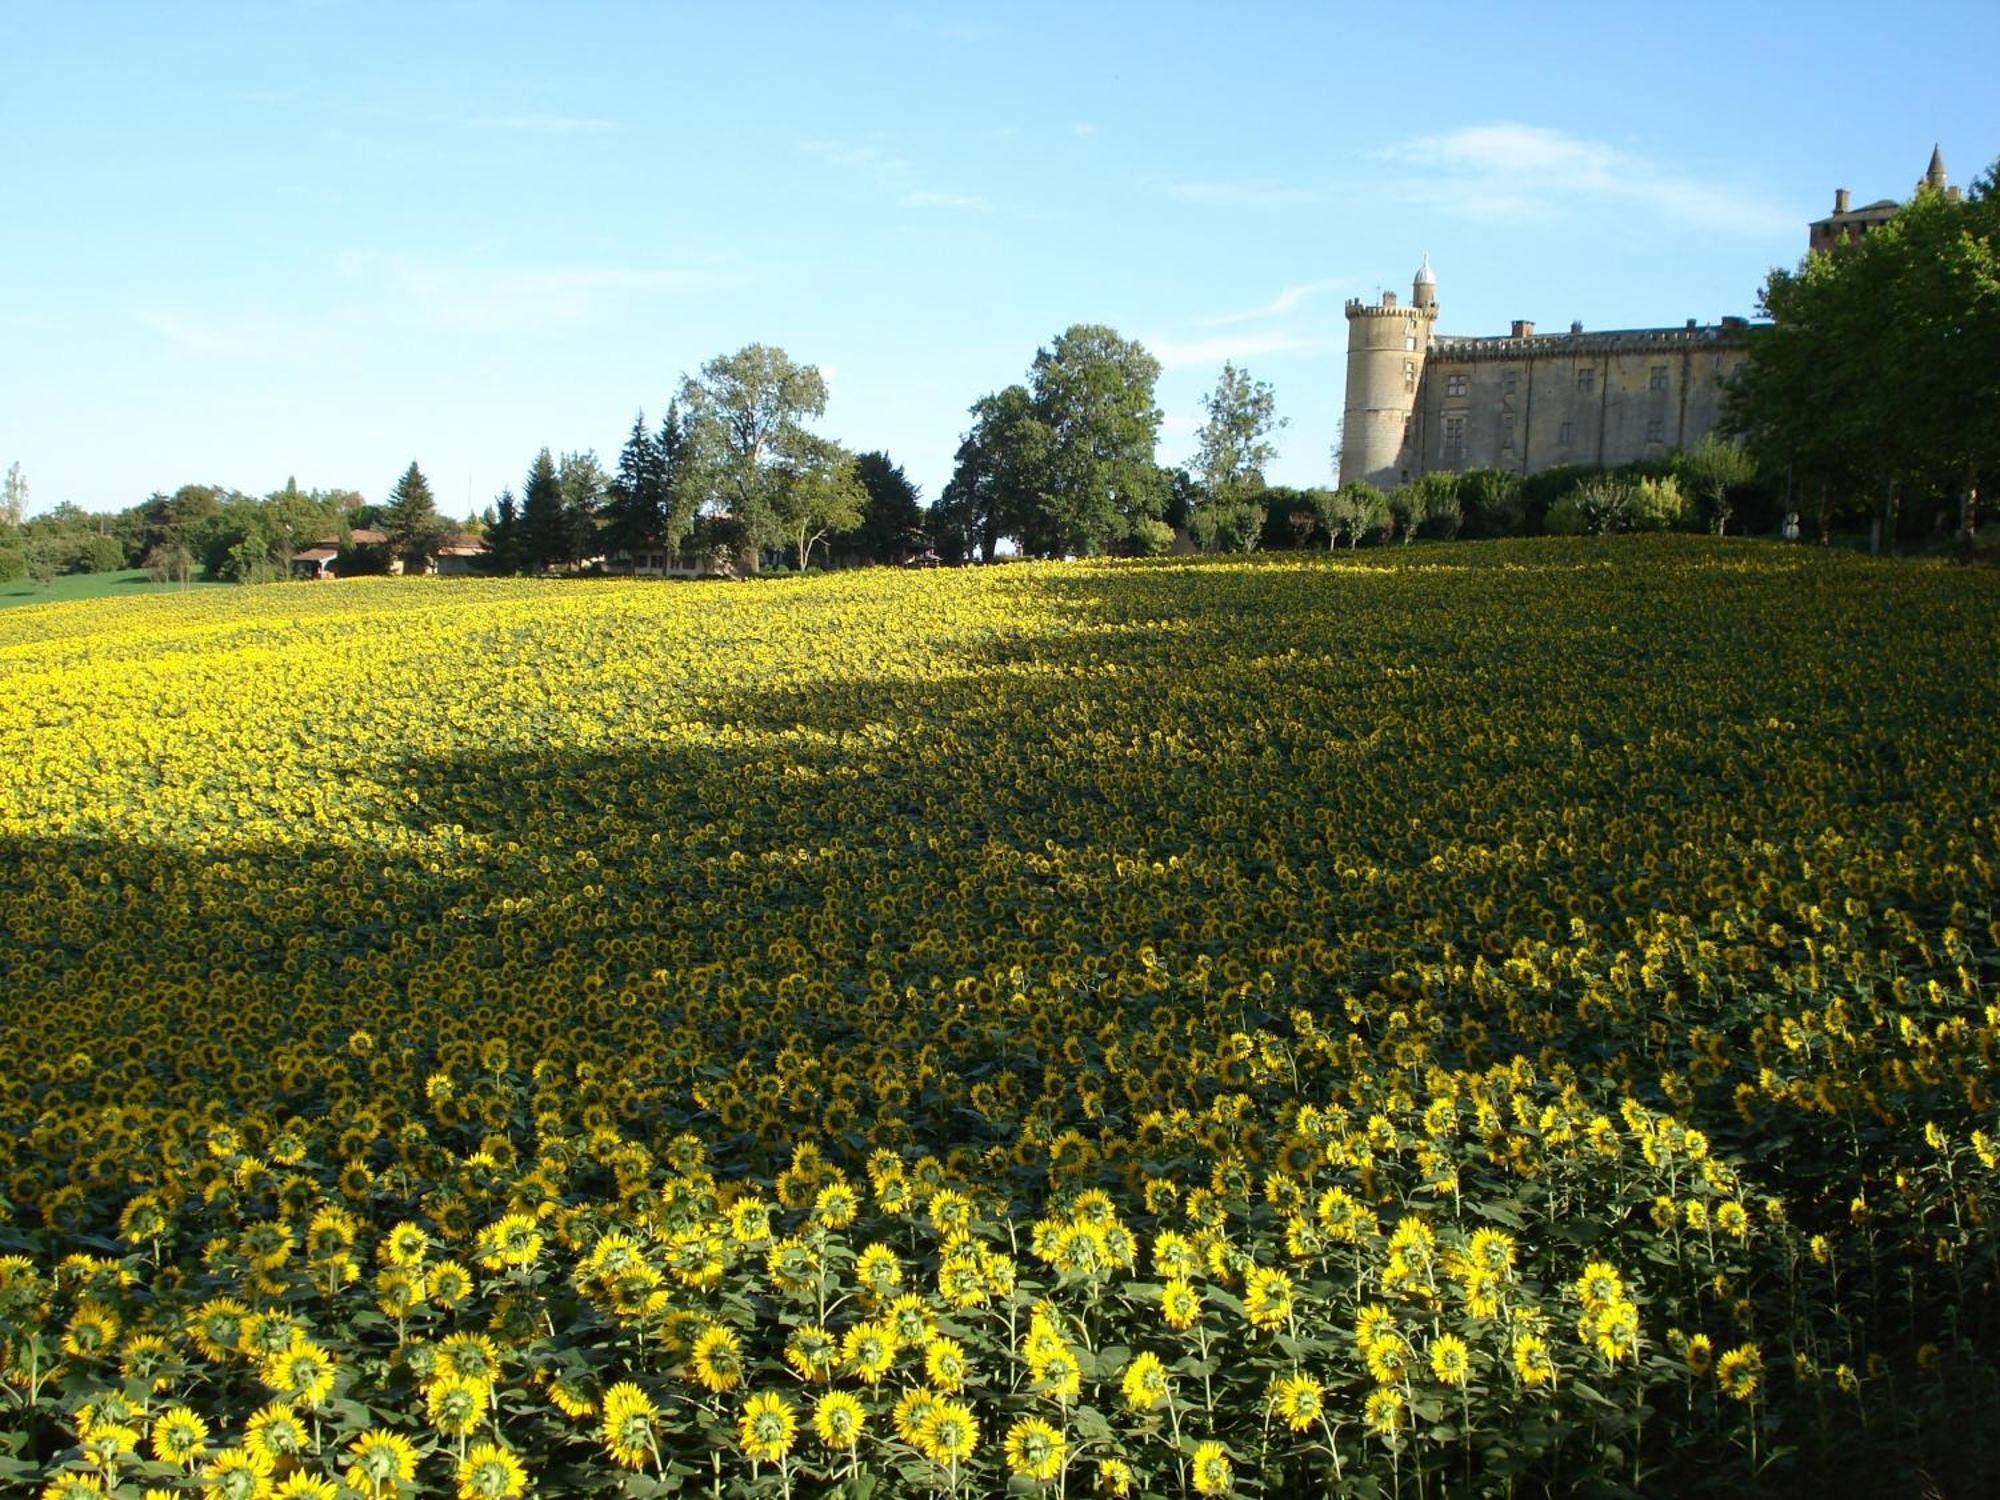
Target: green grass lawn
(121, 585)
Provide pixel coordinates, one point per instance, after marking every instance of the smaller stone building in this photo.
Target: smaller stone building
(1846, 224)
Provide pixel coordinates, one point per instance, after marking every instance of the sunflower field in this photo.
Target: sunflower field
(1498, 1019)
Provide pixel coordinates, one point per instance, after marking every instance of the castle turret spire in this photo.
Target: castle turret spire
(1424, 289)
(1934, 174)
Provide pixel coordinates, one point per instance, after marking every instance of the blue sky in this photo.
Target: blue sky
(250, 240)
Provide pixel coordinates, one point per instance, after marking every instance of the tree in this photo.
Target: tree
(505, 554)
(635, 507)
(584, 485)
(411, 521)
(746, 440)
(892, 520)
(820, 493)
(1234, 447)
(1491, 502)
(170, 562)
(545, 532)
(997, 481)
(13, 498)
(1876, 373)
(1354, 511)
(1708, 471)
(1093, 392)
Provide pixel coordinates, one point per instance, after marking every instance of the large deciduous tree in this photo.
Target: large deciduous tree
(997, 480)
(1093, 391)
(892, 520)
(747, 441)
(1876, 374)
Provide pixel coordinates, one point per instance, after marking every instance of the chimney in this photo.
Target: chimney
(1388, 299)
(1523, 329)
(1840, 200)
(1576, 326)
(1691, 325)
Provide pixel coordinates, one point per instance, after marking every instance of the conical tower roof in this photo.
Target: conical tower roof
(1934, 174)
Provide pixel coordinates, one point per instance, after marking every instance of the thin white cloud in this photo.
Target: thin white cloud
(1509, 172)
(1286, 301)
(200, 336)
(1249, 192)
(922, 199)
(1083, 128)
(1177, 354)
(545, 124)
(518, 299)
(891, 174)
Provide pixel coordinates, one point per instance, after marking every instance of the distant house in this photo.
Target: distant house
(456, 554)
(459, 555)
(658, 561)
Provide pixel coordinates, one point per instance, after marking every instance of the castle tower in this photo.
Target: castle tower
(1934, 177)
(1386, 345)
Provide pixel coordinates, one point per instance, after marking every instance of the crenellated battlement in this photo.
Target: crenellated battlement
(1730, 335)
(1389, 307)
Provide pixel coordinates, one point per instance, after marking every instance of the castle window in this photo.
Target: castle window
(1409, 376)
(1563, 436)
(1507, 385)
(1656, 430)
(1454, 385)
(1659, 381)
(1586, 381)
(1454, 438)
(1409, 341)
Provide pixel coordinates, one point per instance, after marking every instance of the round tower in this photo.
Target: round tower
(1386, 345)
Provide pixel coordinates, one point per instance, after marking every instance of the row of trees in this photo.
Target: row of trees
(734, 467)
(1873, 387)
(1877, 381)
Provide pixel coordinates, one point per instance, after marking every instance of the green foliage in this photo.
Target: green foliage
(747, 442)
(1358, 511)
(1613, 502)
(545, 528)
(892, 521)
(13, 498)
(1708, 473)
(1491, 503)
(584, 486)
(1093, 393)
(506, 547)
(820, 492)
(1876, 373)
(1233, 448)
(997, 481)
(411, 521)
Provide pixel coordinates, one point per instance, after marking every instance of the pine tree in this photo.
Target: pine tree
(635, 512)
(503, 538)
(679, 495)
(544, 527)
(410, 519)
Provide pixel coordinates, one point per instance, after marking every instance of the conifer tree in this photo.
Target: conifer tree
(544, 527)
(410, 519)
(503, 538)
(635, 509)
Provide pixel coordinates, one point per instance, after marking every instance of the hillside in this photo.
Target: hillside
(1545, 953)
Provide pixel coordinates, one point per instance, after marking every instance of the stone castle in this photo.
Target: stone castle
(1419, 401)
